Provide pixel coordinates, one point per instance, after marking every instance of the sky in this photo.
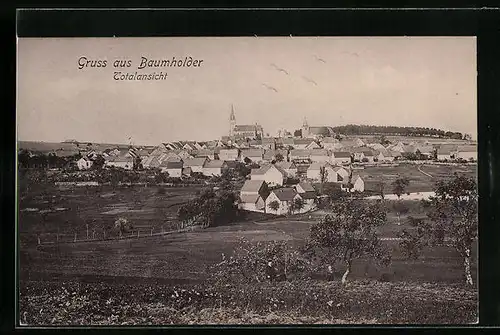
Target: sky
(273, 81)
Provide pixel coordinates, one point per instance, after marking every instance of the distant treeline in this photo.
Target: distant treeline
(353, 129)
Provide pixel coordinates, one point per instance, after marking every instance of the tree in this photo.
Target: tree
(349, 233)
(297, 133)
(398, 188)
(380, 189)
(274, 205)
(123, 226)
(323, 177)
(297, 205)
(279, 157)
(452, 215)
(137, 164)
(247, 160)
(98, 162)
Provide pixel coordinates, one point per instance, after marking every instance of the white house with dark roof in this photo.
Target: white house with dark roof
(314, 172)
(270, 173)
(340, 157)
(174, 169)
(308, 194)
(253, 196)
(255, 155)
(196, 164)
(213, 168)
(284, 197)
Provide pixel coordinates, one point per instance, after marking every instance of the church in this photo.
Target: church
(244, 130)
(316, 132)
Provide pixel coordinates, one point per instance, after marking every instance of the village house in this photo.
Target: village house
(314, 172)
(285, 142)
(358, 185)
(330, 143)
(186, 172)
(340, 157)
(467, 152)
(196, 164)
(300, 155)
(150, 162)
(284, 197)
(208, 153)
(342, 174)
(174, 169)
(125, 162)
(426, 150)
(268, 143)
(376, 146)
(305, 143)
(319, 155)
(253, 196)
(308, 194)
(399, 147)
(383, 156)
(241, 144)
(270, 173)
(84, 163)
(228, 154)
(270, 155)
(289, 167)
(368, 155)
(169, 156)
(213, 168)
(254, 155)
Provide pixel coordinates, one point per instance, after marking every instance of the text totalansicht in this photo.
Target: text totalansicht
(173, 62)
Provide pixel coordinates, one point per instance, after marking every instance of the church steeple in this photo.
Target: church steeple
(232, 121)
(305, 128)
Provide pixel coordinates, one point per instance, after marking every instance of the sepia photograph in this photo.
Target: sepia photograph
(290, 180)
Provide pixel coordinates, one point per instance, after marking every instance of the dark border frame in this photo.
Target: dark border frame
(485, 24)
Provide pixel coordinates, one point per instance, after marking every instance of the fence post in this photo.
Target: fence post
(87, 231)
(151, 231)
(137, 233)
(38, 239)
(75, 238)
(104, 234)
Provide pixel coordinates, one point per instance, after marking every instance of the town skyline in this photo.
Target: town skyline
(413, 82)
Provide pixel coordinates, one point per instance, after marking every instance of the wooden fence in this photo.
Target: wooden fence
(103, 235)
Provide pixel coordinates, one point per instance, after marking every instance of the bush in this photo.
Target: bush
(259, 262)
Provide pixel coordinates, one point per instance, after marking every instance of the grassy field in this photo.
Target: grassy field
(158, 263)
(419, 182)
